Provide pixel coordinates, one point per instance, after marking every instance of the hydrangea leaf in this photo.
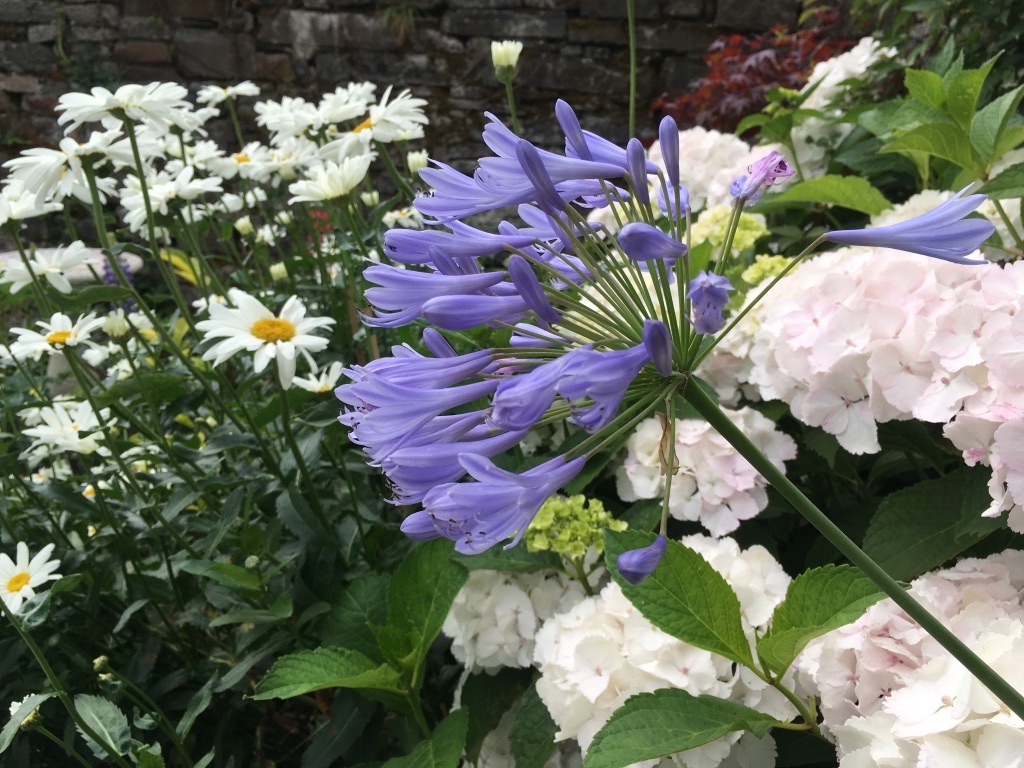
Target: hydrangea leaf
(299, 673)
(990, 122)
(684, 596)
(817, 602)
(851, 192)
(421, 592)
(919, 528)
(963, 90)
(487, 698)
(925, 86)
(350, 621)
(107, 721)
(653, 725)
(515, 560)
(943, 140)
(532, 739)
(442, 750)
(1008, 184)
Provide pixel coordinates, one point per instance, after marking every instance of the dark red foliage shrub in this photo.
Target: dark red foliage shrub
(743, 68)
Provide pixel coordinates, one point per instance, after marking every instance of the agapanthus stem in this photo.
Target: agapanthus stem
(707, 408)
(631, 24)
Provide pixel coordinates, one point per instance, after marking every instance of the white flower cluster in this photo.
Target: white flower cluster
(495, 617)
(713, 485)
(892, 697)
(496, 750)
(860, 336)
(603, 651)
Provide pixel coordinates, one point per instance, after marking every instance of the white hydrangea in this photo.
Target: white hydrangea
(495, 616)
(496, 750)
(828, 76)
(714, 485)
(596, 656)
(892, 696)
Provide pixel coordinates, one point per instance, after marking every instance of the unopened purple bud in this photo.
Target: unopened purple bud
(770, 169)
(419, 526)
(533, 166)
(737, 186)
(709, 293)
(658, 343)
(530, 288)
(437, 344)
(707, 318)
(668, 138)
(572, 129)
(636, 158)
(637, 564)
(644, 242)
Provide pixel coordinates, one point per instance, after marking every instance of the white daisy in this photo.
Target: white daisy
(60, 332)
(325, 381)
(57, 173)
(19, 580)
(254, 328)
(160, 105)
(52, 264)
(64, 426)
(215, 94)
(331, 180)
(17, 203)
(398, 120)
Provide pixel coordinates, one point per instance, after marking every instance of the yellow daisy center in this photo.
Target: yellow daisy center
(272, 329)
(58, 337)
(367, 123)
(18, 582)
(240, 157)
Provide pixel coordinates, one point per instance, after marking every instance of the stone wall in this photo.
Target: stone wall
(574, 49)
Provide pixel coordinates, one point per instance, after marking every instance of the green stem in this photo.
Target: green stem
(143, 701)
(707, 408)
(68, 749)
(59, 689)
(631, 22)
(300, 462)
(581, 576)
(512, 106)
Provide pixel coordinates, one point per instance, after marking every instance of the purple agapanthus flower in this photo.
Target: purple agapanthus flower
(942, 233)
(769, 170)
(708, 295)
(644, 242)
(637, 564)
(501, 504)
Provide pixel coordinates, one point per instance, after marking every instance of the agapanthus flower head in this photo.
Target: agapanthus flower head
(942, 233)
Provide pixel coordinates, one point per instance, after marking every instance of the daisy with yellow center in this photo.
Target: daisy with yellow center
(55, 335)
(20, 578)
(252, 327)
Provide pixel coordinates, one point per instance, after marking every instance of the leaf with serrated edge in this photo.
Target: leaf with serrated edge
(300, 673)
(107, 721)
(442, 750)
(817, 602)
(653, 725)
(684, 596)
(532, 738)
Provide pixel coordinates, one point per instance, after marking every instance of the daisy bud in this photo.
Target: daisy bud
(278, 272)
(505, 58)
(415, 161)
(244, 226)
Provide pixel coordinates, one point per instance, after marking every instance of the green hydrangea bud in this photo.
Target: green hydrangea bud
(711, 225)
(764, 268)
(570, 525)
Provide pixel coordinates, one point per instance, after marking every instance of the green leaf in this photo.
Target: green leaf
(1008, 184)
(107, 721)
(963, 90)
(421, 592)
(925, 86)
(817, 601)
(306, 671)
(229, 575)
(990, 123)
(94, 294)
(442, 750)
(684, 596)
(361, 606)
(914, 529)
(851, 192)
(147, 755)
(532, 739)
(198, 704)
(1012, 137)
(653, 725)
(487, 698)
(25, 708)
(643, 515)
(518, 559)
(349, 715)
(160, 387)
(943, 140)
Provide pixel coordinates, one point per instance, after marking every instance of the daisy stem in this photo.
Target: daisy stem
(144, 702)
(37, 287)
(631, 26)
(510, 95)
(300, 462)
(897, 592)
(400, 182)
(68, 749)
(58, 687)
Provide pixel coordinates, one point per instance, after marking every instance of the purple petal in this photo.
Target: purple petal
(530, 289)
(668, 137)
(643, 242)
(658, 343)
(637, 161)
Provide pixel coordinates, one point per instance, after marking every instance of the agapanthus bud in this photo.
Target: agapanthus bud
(942, 233)
(637, 161)
(668, 138)
(658, 343)
(644, 242)
(637, 564)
